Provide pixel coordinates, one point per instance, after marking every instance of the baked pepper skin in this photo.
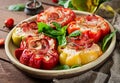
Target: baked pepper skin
(92, 25)
(81, 57)
(24, 30)
(90, 54)
(70, 60)
(56, 14)
(38, 52)
(79, 50)
(16, 38)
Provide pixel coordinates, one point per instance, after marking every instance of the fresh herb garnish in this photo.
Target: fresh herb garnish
(57, 25)
(75, 33)
(65, 67)
(74, 66)
(62, 67)
(62, 40)
(59, 32)
(106, 39)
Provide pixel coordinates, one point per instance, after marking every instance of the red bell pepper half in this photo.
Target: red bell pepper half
(38, 52)
(56, 14)
(92, 25)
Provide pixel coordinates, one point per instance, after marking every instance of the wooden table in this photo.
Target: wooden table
(8, 72)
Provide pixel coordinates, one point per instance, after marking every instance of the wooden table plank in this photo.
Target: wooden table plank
(2, 50)
(10, 74)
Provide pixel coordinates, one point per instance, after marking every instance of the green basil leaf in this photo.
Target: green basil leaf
(57, 25)
(75, 33)
(17, 7)
(63, 29)
(62, 67)
(54, 32)
(106, 39)
(62, 40)
(42, 27)
(50, 35)
(59, 34)
(74, 66)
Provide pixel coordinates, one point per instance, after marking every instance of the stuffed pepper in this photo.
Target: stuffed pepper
(92, 25)
(79, 50)
(38, 52)
(24, 30)
(56, 14)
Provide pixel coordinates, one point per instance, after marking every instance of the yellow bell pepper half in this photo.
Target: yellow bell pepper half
(72, 57)
(90, 54)
(16, 38)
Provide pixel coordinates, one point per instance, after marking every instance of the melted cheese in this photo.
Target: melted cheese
(70, 52)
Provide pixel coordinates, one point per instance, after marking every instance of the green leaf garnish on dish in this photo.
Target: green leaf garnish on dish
(59, 33)
(75, 33)
(62, 67)
(106, 39)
